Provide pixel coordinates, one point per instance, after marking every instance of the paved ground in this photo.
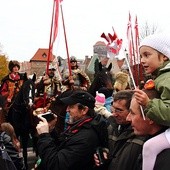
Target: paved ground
(31, 158)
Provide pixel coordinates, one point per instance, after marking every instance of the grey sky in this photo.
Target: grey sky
(25, 24)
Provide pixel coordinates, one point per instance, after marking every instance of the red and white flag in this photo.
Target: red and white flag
(130, 40)
(114, 44)
(136, 38)
(55, 21)
(54, 29)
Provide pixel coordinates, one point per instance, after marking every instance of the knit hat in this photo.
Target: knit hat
(81, 97)
(159, 42)
(12, 64)
(100, 98)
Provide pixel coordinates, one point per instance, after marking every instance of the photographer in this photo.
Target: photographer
(78, 143)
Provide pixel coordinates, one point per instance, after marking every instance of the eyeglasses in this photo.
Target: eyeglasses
(116, 110)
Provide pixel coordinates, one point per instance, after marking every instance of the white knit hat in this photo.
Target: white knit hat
(159, 42)
(100, 98)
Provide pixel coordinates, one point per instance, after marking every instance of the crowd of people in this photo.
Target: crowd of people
(119, 128)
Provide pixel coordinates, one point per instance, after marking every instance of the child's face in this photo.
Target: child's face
(150, 59)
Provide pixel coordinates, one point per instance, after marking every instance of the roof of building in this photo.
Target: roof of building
(99, 43)
(42, 55)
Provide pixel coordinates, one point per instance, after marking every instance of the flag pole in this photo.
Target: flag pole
(134, 57)
(50, 47)
(133, 81)
(131, 47)
(65, 37)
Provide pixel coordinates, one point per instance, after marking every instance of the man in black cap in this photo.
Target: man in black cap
(78, 143)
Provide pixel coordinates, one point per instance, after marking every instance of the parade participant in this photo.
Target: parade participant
(78, 143)
(47, 88)
(155, 58)
(78, 78)
(11, 83)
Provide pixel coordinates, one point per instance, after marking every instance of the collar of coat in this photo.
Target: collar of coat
(74, 128)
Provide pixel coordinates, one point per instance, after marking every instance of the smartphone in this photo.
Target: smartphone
(49, 116)
(99, 153)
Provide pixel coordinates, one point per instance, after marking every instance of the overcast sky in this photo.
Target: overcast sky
(25, 24)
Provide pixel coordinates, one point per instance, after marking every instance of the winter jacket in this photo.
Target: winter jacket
(125, 148)
(108, 102)
(77, 146)
(159, 109)
(12, 151)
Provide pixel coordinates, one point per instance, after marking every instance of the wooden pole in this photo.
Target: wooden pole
(65, 37)
(50, 47)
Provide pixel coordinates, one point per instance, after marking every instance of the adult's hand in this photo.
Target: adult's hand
(52, 123)
(96, 159)
(42, 126)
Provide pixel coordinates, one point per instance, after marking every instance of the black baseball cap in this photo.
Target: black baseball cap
(81, 97)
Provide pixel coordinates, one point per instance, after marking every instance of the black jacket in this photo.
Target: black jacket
(77, 146)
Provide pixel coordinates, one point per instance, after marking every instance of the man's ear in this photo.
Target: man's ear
(165, 58)
(85, 110)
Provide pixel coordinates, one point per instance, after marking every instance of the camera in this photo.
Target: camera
(49, 116)
(99, 153)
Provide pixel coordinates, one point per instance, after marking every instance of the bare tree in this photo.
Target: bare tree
(148, 29)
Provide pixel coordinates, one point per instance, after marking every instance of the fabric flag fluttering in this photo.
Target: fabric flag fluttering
(113, 47)
(132, 50)
(65, 37)
(114, 44)
(136, 37)
(132, 53)
(130, 42)
(54, 29)
(137, 43)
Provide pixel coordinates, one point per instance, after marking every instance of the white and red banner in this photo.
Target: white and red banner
(114, 44)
